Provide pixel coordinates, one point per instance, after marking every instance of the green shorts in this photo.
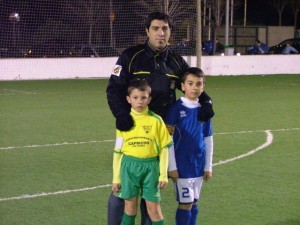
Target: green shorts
(140, 177)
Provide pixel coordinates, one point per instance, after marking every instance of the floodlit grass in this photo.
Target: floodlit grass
(56, 141)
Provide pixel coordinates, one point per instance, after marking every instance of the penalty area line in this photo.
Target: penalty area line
(266, 144)
(101, 141)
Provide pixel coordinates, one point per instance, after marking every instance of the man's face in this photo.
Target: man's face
(159, 33)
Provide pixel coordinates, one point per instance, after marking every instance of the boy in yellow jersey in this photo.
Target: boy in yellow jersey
(140, 161)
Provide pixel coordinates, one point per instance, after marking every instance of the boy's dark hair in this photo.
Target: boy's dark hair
(158, 16)
(195, 71)
(139, 84)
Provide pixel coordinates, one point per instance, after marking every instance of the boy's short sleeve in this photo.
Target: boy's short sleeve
(164, 137)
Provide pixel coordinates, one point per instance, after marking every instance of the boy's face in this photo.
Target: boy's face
(138, 100)
(192, 87)
(158, 34)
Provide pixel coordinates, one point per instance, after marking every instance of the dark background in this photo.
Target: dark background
(41, 20)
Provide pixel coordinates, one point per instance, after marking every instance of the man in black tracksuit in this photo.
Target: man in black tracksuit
(162, 70)
(156, 63)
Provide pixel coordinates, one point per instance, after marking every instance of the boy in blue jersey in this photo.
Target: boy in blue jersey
(193, 145)
(140, 161)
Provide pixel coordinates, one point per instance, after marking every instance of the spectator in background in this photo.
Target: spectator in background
(184, 47)
(289, 49)
(262, 47)
(258, 48)
(183, 43)
(219, 47)
(208, 47)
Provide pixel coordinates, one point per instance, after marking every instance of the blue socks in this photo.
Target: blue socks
(183, 216)
(187, 217)
(194, 215)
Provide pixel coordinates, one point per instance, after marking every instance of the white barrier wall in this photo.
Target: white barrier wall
(67, 68)
(250, 65)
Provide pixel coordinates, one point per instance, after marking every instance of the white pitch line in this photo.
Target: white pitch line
(266, 144)
(89, 142)
(18, 91)
(51, 145)
(257, 131)
(26, 196)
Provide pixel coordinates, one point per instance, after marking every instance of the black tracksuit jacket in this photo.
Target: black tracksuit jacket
(162, 70)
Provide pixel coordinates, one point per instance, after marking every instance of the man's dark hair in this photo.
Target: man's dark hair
(158, 16)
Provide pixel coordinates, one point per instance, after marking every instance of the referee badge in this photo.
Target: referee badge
(117, 70)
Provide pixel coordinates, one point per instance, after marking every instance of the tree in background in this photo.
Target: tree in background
(279, 6)
(91, 12)
(176, 9)
(217, 9)
(295, 6)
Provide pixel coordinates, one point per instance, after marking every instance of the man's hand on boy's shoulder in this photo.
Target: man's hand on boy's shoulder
(124, 122)
(206, 111)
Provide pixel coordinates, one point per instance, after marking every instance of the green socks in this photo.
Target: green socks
(128, 220)
(162, 222)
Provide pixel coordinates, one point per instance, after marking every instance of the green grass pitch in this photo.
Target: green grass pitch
(57, 136)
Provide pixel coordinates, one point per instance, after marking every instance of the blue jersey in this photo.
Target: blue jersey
(188, 137)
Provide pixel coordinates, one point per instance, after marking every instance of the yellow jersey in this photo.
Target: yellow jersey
(148, 138)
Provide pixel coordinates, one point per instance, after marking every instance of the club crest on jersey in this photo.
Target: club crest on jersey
(147, 129)
(173, 84)
(182, 113)
(117, 70)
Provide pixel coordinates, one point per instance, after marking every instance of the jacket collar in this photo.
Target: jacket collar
(151, 52)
